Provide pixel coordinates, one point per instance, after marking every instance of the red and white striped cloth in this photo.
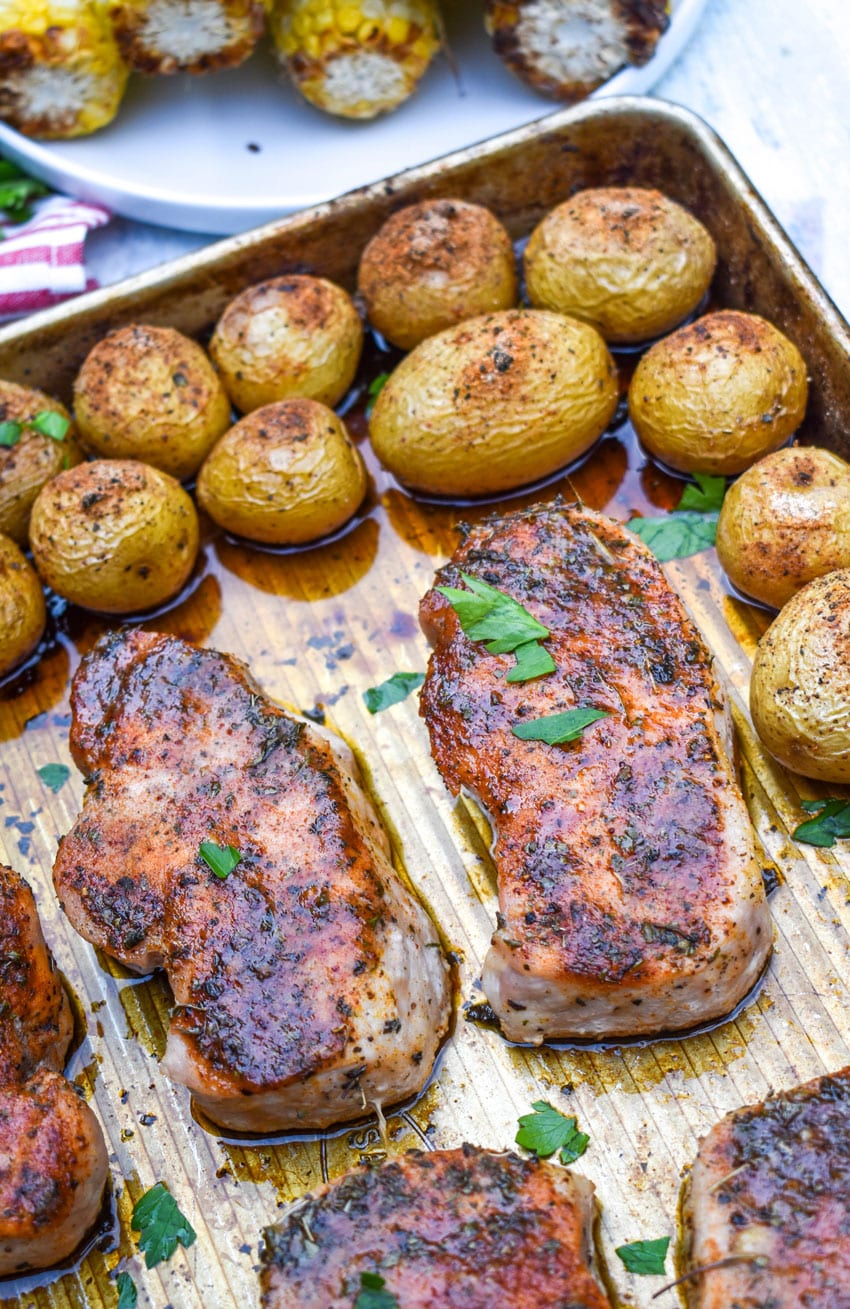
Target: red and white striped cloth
(42, 260)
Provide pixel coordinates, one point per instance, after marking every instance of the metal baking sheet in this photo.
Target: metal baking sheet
(320, 626)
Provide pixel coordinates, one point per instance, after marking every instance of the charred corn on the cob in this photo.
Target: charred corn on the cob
(60, 70)
(357, 58)
(566, 48)
(194, 36)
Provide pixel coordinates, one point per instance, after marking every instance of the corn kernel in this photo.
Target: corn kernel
(348, 19)
(398, 30)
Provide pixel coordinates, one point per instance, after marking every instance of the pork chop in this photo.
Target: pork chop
(630, 897)
(53, 1164)
(455, 1229)
(769, 1198)
(309, 982)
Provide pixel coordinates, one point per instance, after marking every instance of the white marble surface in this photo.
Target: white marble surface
(771, 76)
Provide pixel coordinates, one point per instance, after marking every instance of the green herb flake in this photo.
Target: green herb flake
(127, 1294)
(532, 660)
(677, 536)
(546, 1130)
(10, 433)
(17, 191)
(557, 729)
(372, 1294)
(487, 614)
(831, 824)
(50, 423)
(392, 691)
(220, 859)
(54, 776)
(376, 386)
(161, 1225)
(704, 498)
(647, 1258)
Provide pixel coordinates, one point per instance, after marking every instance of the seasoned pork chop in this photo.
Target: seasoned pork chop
(770, 1194)
(53, 1165)
(456, 1229)
(309, 983)
(630, 897)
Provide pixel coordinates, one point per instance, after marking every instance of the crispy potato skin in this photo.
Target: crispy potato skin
(114, 535)
(784, 522)
(286, 474)
(435, 264)
(22, 610)
(495, 403)
(800, 687)
(32, 460)
(290, 336)
(150, 393)
(627, 260)
(718, 394)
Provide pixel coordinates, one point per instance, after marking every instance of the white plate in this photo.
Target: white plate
(226, 152)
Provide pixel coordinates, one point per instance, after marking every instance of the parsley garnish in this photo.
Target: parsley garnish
(506, 627)
(376, 386)
(645, 1257)
(54, 776)
(48, 422)
(161, 1225)
(546, 1130)
(127, 1293)
(17, 191)
(556, 729)
(677, 535)
(832, 822)
(706, 496)
(372, 1294)
(10, 433)
(220, 859)
(392, 691)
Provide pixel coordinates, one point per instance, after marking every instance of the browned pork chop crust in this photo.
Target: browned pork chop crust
(53, 1164)
(309, 983)
(770, 1192)
(630, 896)
(456, 1229)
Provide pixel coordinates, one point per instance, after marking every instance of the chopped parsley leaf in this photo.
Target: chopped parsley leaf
(161, 1226)
(677, 535)
(556, 729)
(220, 859)
(831, 824)
(372, 1294)
(645, 1257)
(54, 776)
(487, 614)
(706, 496)
(546, 1130)
(392, 691)
(127, 1294)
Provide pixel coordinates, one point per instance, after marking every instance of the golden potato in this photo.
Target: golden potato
(114, 535)
(150, 393)
(28, 456)
(286, 474)
(718, 394)
(627, 260)
(22, 609)
(290, 336)
(785, 521)
(494, 403)
(800, 687)
(435, 264)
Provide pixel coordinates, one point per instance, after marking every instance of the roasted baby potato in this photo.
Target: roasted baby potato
(181, 36)
(627, 260)
(494, 403)
(435, 264)
(286, 474)
(785, 521)
(22, 609)
(800, 687)
(150, 393)
(114, 535)
(290, 336)
(718, 394)
(29, 457)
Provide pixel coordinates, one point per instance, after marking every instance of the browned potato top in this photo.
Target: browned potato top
(33, 458)
(22, 609)
(434, 264)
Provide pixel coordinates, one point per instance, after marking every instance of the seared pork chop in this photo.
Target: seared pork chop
(53, 1164)
(630, 897)
(309, 983)
(456, 1229)
(769, 1198)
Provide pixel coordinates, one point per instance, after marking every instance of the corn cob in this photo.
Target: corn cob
(60, 71)
(356, 58)
(194, 36)
(566, 48)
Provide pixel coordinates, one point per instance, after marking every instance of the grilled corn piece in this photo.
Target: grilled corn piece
(356, 58)
(60, 71)
(566, 48)
(187, 36)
